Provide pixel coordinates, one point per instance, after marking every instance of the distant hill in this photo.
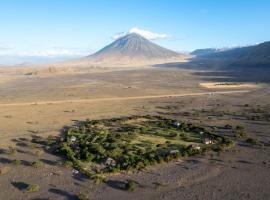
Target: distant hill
(250, 55)
(204, 52)
(133, 47)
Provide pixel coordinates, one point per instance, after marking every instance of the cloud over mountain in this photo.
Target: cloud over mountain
(145, 33)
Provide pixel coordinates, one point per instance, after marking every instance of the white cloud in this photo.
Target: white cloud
(145, 33)
(5, 47)
(52, 52)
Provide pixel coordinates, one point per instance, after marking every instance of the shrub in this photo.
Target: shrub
(16, 162)
(157, 185)
(82, 196)
(131, 185)
(32, 188)
(50, 140)
(98, 180)
(12, 150)
(67, 163)
(239, 127)
(37, 164)
(228, 126)
(240, 134)
(38, 152)
(253, 141)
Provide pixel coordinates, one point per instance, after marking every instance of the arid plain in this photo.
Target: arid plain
(34, 107)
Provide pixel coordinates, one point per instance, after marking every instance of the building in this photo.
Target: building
(207, 141)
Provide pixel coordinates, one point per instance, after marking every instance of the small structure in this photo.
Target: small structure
(194, 146)
(73, 138)
(176, 124)
(199, 131)
(207, 141)
(109, 162)
(174, 151)
(74, 171)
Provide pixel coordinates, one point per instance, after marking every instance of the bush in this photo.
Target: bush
(12, 150)
(50, 140)
(37, 164)
(157, 185)
(240, 134)
(67, 163)
(16, 162)
(32, 188)
(98, 180)
(82, 196)
(131, 185)
(228, 126)
(239, 127)
(253, 141)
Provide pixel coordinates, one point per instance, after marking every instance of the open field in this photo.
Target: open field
(33, 107)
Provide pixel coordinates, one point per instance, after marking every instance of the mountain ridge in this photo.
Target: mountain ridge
(250, 55)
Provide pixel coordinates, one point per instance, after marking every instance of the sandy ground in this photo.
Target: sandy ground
(34, 106)
(224, 85)
(120, 98)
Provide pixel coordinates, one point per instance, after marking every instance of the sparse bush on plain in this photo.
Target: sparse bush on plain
(16, 162)
(253, 141)
(32, 188)
(82, 196)
(37, 164)
(67, 163)
(131, 185)
(157, 185)
(12, 150)
(50, 140)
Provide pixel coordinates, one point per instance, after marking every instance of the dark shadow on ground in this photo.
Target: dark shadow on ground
(5, 161)
(49, 162)
(220, 71)
(19, 185)
(63, 193)
(116, 184)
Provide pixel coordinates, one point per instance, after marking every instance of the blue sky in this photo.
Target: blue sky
(51, 28)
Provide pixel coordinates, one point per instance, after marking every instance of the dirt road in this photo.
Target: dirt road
(121, 98)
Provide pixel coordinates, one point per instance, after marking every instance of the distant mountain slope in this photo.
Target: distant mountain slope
(204, 52)
(132, 47)
(251, 55)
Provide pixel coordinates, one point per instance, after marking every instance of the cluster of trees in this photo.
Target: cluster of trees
(97, 140)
